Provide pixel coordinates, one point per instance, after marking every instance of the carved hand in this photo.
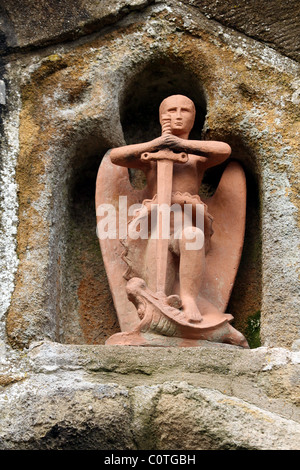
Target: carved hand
(168, 141)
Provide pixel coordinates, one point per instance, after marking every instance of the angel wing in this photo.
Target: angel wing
(228, 208)
(112, 182)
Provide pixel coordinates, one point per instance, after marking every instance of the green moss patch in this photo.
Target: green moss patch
(252, 331)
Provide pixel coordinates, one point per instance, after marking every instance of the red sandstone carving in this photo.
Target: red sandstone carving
(169, 294)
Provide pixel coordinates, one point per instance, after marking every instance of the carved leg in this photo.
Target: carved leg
(191, 270)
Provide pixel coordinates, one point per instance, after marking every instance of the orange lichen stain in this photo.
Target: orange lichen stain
(7, 379)
(38, 130)
(95, 310)
(294, 190)
(16, 323)
(255, 413)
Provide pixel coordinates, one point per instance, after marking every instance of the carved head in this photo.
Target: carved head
(180, 111)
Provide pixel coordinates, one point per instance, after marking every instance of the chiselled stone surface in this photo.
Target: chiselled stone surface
(73, 99)
(38, 24)
(34, 24)
(99, 397)
(274, 22)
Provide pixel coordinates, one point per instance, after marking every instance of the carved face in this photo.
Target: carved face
(181, 111)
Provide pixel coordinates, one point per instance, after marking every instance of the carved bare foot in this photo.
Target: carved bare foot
(191, 311)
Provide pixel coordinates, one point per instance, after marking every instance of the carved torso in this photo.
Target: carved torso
(188, 180)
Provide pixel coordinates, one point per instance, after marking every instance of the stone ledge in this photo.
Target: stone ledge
(118, 397)
(40, 24)
(266, 377)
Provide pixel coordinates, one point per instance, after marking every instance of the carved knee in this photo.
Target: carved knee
(192, 239)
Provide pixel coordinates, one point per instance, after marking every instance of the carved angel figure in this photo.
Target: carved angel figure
(173, 289)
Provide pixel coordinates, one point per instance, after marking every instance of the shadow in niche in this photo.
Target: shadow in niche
(139, 102)
(88, 312)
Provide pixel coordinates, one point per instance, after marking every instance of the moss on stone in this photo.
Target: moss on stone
(253, 330)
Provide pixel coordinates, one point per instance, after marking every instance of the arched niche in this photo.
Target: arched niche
(87, 314)
(143, 93)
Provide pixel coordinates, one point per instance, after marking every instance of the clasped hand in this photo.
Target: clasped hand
(169, 141)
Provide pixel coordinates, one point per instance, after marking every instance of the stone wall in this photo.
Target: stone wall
(75, 76)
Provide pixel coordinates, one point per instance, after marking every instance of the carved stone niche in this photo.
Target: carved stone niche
(76, 105)
(62, 291)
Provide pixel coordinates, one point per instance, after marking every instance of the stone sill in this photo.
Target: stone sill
(124, 397)
(266, 377)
